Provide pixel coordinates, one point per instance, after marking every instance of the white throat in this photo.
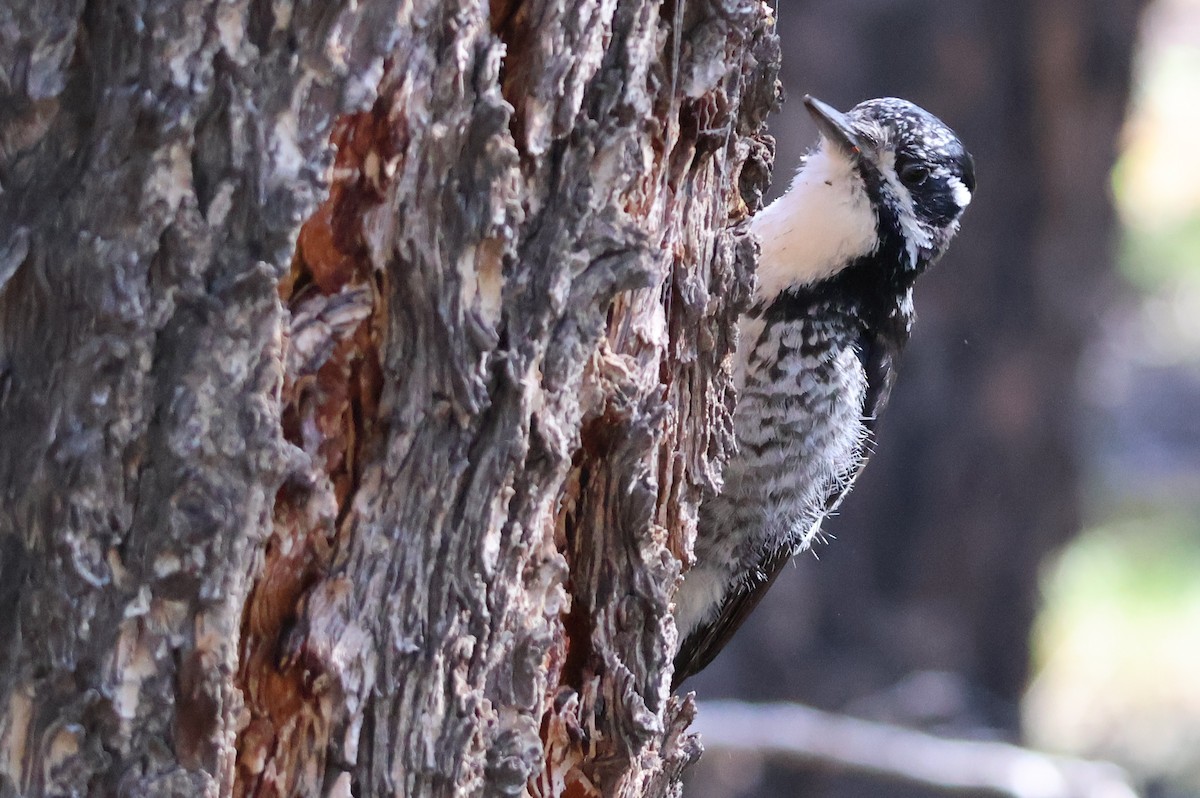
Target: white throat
(823, 222)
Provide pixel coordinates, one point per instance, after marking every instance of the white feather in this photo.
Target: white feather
(962, 194)
(822, 223)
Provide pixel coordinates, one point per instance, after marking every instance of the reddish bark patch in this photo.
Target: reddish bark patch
(330, 401)
(512, 25)
(501, 13)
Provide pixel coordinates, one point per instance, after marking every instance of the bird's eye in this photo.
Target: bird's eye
(913, 174)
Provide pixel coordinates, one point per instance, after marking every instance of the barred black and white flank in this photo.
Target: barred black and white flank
(871, 208)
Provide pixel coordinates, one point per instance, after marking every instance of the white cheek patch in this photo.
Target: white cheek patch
(961, 194)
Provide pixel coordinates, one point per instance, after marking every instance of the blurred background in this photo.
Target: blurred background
(1021, 560)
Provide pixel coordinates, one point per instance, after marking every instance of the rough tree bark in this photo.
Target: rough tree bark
(361, 367)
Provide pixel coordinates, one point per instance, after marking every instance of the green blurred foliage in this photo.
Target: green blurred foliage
(1156, 260)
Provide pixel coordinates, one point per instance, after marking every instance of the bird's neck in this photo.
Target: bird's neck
(866, 291)
(824, 222)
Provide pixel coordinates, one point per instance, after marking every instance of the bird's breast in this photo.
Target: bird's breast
(799, 430)
(823, 222)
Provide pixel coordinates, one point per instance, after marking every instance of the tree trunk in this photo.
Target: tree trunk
(363, 469)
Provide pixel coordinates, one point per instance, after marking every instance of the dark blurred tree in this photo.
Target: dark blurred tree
(936, 560)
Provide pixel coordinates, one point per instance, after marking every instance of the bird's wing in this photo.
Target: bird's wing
(703, 644)
(877, 353)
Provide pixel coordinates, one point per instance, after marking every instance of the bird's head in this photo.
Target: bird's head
(917, 174)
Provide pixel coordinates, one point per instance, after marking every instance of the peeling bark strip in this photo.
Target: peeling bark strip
(330, 397)
(417, 536)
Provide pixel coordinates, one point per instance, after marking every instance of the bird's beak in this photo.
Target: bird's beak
(834, 125)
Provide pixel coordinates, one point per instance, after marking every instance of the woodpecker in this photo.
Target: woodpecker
(872, 206)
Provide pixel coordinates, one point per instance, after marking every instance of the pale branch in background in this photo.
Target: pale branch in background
(807, 736)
